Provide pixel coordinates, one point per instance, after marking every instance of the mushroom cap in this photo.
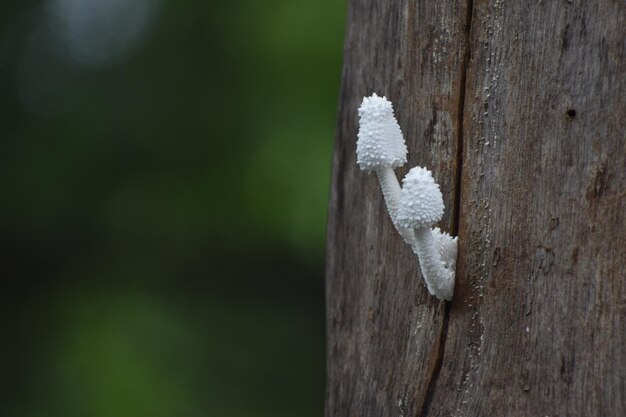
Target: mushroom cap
(421, 202)
(380, 143)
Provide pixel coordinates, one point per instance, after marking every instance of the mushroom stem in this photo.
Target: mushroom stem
(391, 192)
(439, 280)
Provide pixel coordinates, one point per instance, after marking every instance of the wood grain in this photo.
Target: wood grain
(538, 323)
(519, 108)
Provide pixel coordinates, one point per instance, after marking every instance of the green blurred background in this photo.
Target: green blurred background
(164, 179)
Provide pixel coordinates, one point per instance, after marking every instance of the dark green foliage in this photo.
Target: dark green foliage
(163, 218)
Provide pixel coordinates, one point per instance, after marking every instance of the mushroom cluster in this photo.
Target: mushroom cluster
(416, 206)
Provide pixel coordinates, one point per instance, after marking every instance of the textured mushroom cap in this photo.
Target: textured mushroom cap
(380, 143)
(421, 203)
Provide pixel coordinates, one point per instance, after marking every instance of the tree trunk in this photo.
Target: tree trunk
(519, 110)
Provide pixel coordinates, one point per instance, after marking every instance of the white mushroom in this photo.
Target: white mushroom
(420, 207)
(416, 207)
(380, 147)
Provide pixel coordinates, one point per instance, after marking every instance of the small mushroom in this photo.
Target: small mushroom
(416, 207)
(420, 207)
(381, 148)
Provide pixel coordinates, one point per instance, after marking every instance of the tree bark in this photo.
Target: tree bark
(519, 110)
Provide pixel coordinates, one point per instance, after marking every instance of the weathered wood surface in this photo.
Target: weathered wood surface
(528, 101)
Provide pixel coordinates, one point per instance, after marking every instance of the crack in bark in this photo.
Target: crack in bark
(461, 115)
(454, 227)
(441, 343)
